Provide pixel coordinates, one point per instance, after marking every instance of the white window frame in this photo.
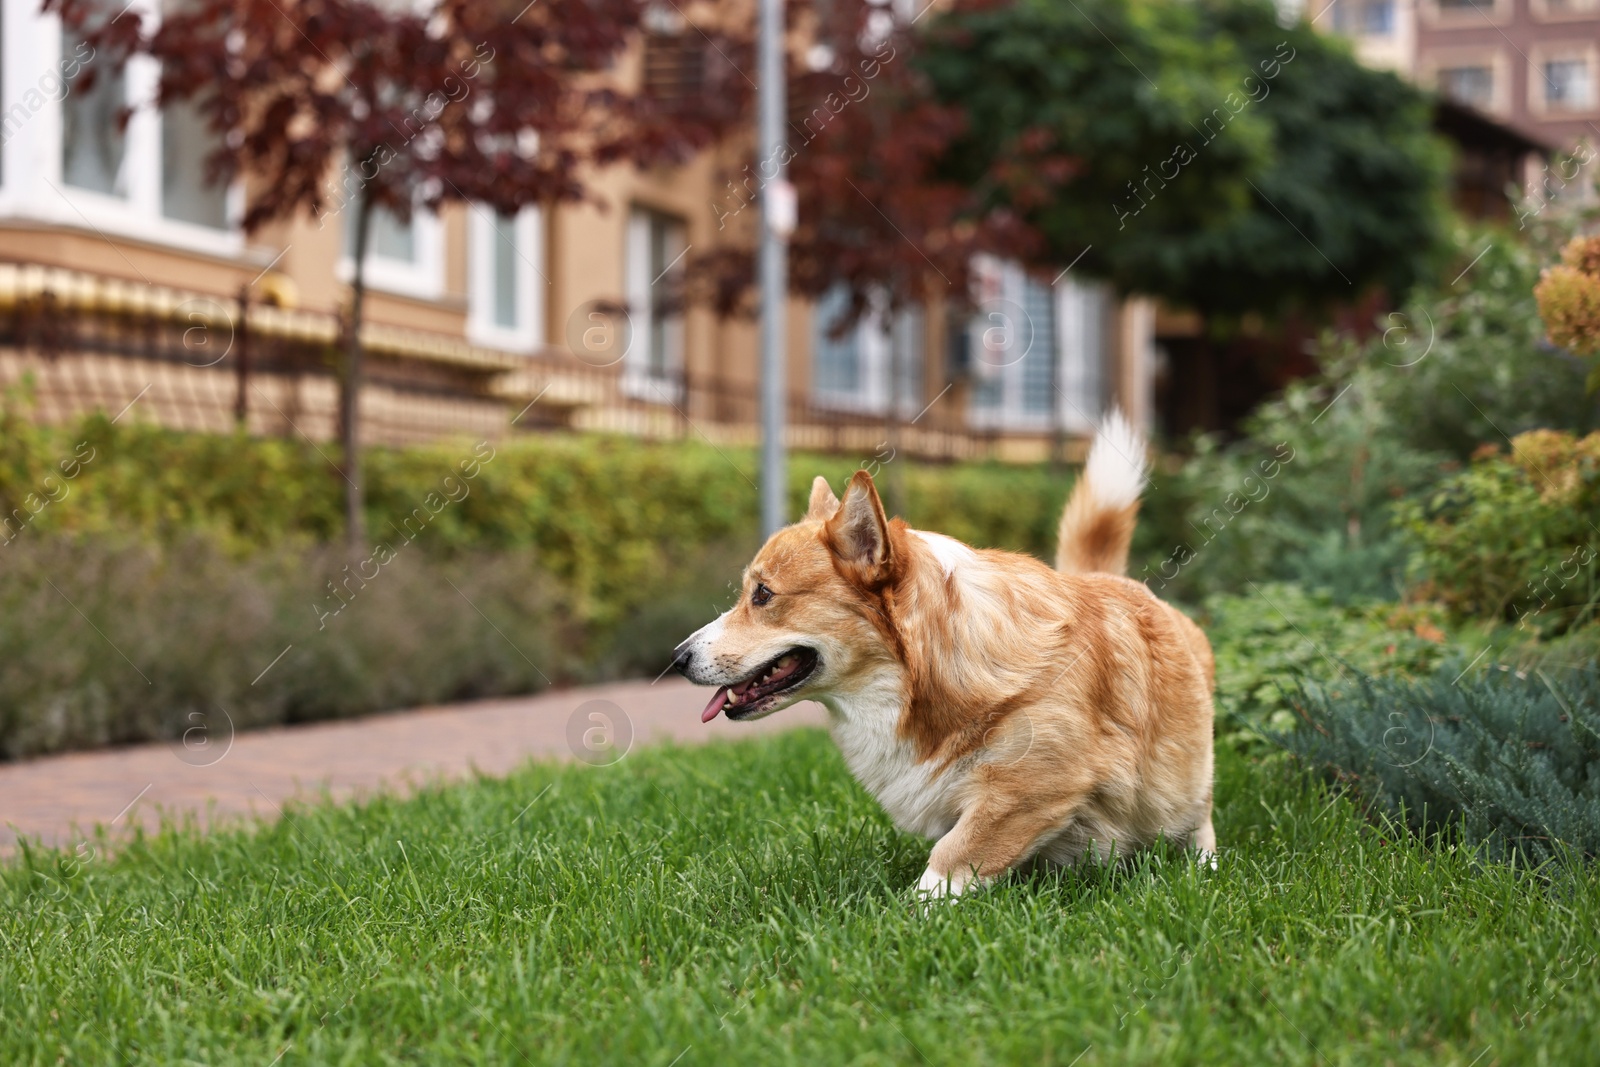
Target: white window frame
(1085, 327)
(1496, 59)
(1573, 51)
(31, 183)
(421, 276)
(876, 335)
(1081, 344)
(528, 286)
(640, 378)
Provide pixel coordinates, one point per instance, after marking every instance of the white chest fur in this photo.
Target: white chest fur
(864, 727)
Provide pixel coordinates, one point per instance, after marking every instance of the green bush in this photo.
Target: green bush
(202, 557)
(1467, 364)
(1513, 536)
(1305, 497)
(1511, 764)
(102, 644)
(605, 515)
(1385, 421)
(1267, 639)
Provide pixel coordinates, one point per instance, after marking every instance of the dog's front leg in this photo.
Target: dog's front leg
(989, 839)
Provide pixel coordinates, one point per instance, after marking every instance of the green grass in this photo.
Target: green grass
(749, 904)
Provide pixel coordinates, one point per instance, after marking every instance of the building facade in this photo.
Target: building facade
(1533, 65)
(124, 279)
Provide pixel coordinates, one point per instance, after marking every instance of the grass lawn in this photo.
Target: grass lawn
(748, 903)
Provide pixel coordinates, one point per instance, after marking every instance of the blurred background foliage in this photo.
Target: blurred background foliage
(1374, 517)
(563, 559)
(1397, 549)
(1387, 420)
(1284, 155)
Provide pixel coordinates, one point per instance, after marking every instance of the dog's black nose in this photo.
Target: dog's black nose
(681, 658)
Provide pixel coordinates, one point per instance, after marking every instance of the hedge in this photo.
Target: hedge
(604, 515)
(180, 564)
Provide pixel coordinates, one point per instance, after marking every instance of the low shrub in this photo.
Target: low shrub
(606, 516)
(105, 644)
(1510, 763)
(1569, 299)
(1267, 639)
(1467, 363)
(1514, 535)
(201, 557)
(1304, 497)
(1387, 419)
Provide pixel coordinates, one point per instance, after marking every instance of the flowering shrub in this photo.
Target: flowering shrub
(1514, 535)
(1569, 300)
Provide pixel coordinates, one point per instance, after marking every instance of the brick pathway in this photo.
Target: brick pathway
(218, 775)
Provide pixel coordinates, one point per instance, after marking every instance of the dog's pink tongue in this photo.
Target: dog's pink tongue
(715, 705)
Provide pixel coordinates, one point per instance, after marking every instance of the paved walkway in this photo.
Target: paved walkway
(219, 775)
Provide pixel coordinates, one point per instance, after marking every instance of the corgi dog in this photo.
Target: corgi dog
(1008, 711)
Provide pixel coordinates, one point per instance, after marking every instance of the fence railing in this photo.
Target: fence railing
(201, 362)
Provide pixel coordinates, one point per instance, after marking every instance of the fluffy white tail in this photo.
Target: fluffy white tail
(1097, 524)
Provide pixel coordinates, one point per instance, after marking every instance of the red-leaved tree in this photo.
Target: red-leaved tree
(866, 149)
(329, 106)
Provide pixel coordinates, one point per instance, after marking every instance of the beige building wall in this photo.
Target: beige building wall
(580, 264)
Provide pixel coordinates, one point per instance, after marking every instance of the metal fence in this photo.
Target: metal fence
(191, 361)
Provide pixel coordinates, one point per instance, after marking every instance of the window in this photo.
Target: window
(1567, 85)
(877, 361)
(93, 147)
(656, 245)
(68, 161)
(387, 236)
(1472, 85)
(1083, 332)
(185, 193)
(837, 360)
(505, 286)
(1038, 351)
(1377, 17)
(673, 60)
(1460, 13)
(1563, 9)
(402, 257)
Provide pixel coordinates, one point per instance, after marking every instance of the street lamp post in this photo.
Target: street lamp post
(777, 222)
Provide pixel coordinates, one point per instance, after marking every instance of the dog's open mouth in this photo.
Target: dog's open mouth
(764, 688)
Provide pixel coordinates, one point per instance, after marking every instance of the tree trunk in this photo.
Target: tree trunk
(241, 367)
(896, 481)
(350, 387)
(1058, 427)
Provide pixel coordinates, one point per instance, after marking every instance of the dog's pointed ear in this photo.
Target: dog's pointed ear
(859, 533)
(824, 505)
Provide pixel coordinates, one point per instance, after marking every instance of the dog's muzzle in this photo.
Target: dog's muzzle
(682, 657)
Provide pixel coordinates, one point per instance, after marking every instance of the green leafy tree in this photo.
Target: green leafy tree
(1071, 109)
(1219, 160)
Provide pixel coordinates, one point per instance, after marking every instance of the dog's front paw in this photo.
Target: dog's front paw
(934, 887)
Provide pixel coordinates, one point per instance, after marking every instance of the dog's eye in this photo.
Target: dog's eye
(760, 595)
